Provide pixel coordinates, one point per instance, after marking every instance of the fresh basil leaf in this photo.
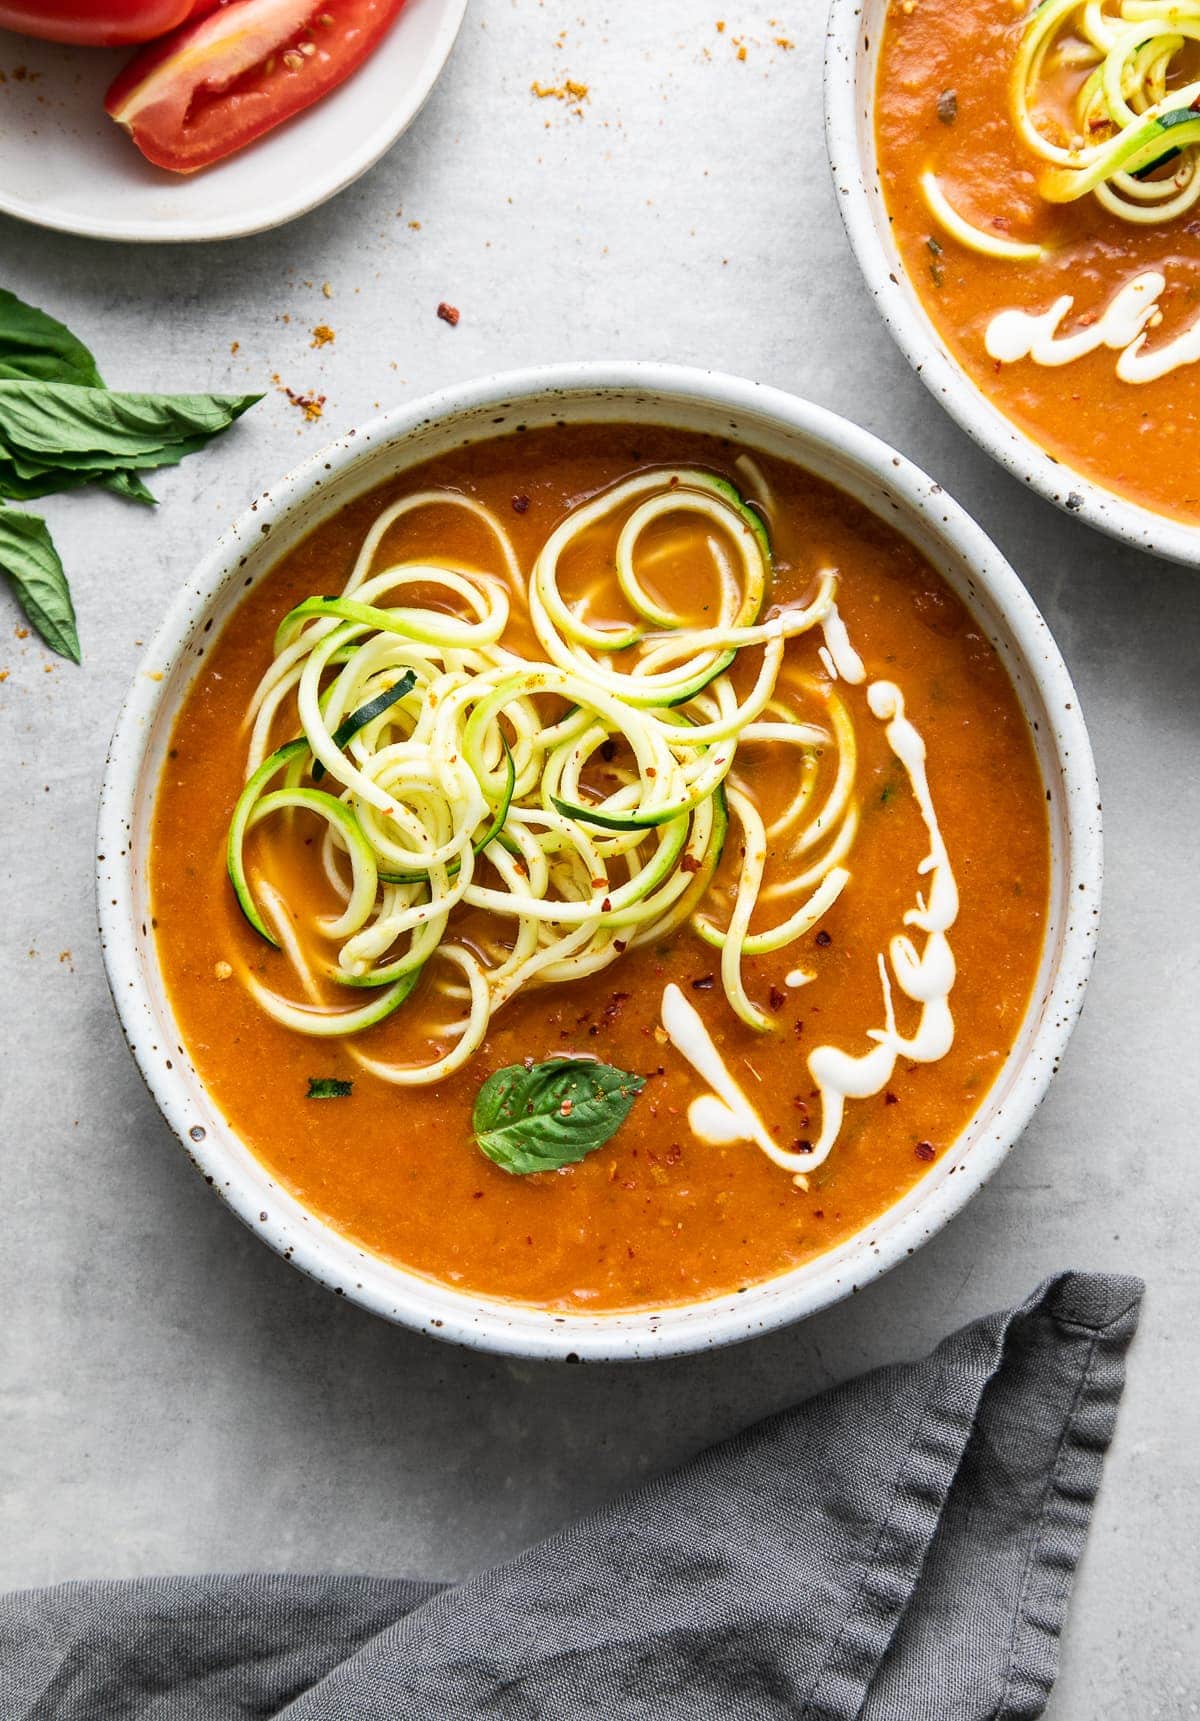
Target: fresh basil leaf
(52, 480)
(35, 346)
(48, 481)
(28, 557)
(129, 485)
(551, 1114)
(32, 465)
(328, 1088)
(57, 420)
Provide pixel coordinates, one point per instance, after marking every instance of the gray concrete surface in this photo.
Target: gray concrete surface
(175, 1397)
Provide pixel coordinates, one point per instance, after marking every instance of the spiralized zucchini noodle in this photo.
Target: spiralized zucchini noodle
(1133, 113)
(496, 820)
(1133, 116)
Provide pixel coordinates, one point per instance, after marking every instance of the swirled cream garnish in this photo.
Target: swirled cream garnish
(1016, 334)
(925, 976)
(725, 1114)
(839, 655)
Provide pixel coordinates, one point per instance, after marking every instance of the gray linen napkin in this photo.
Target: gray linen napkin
(899, 1548)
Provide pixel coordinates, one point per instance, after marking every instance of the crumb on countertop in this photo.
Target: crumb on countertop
(570, 91)
(323, 336)
(311, 405)
(449, 313)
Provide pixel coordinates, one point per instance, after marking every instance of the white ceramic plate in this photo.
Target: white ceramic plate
(648, 394)
(854, 35)
(64, 164)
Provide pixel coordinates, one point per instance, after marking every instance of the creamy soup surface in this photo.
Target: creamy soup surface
(664, 1212)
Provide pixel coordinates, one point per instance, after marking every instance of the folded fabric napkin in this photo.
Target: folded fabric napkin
(900, 1547)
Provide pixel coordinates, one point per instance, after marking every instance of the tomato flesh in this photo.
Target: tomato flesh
(221, 81)
(99, 23)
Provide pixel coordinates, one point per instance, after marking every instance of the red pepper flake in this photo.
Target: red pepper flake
(802, 1146)
(776, 999)
(606, 905)
(801, 1106)
(689, 863)
(704, 983)
(823, 938)
(520, 504)
(890, 1098)
(925, 1150)
(449, 313)
(311, 405)
(620, 945)
(566, 1108)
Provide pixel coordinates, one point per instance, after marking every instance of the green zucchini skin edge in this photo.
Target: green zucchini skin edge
(350, 726)
(234, 858)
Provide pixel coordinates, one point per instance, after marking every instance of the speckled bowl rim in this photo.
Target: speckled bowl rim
(852, 43)
(621, 392)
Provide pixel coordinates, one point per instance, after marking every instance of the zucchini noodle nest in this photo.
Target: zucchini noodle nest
(502, 820)
(1134, 113)
(1128, 118)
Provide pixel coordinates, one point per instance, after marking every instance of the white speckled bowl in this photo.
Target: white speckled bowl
(853, 39)
(694, 400)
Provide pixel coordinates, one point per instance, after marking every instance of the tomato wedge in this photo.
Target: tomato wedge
(219, 83)
(99, 23)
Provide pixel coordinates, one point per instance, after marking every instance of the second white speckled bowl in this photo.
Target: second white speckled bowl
(853, 38)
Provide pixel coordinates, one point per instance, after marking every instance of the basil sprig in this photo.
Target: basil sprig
(37, 348)
(551, 1114)
(61, 428)
(28, 557)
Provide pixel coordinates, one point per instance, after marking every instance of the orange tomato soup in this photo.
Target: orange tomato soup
(657, 1216)
(943, 103)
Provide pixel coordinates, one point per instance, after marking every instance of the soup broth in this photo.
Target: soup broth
(671, 1208)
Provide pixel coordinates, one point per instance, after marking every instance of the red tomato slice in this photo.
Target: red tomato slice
(219, 83)
(99, 23)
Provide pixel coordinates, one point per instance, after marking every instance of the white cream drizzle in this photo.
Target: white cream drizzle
(724, 1114)
(926, 976)
(1015, 334)
(838, 653)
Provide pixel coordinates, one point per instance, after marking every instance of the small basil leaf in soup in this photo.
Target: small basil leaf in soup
(328, 1088)
(34, 346)
(31, 563)
(551, 1114)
